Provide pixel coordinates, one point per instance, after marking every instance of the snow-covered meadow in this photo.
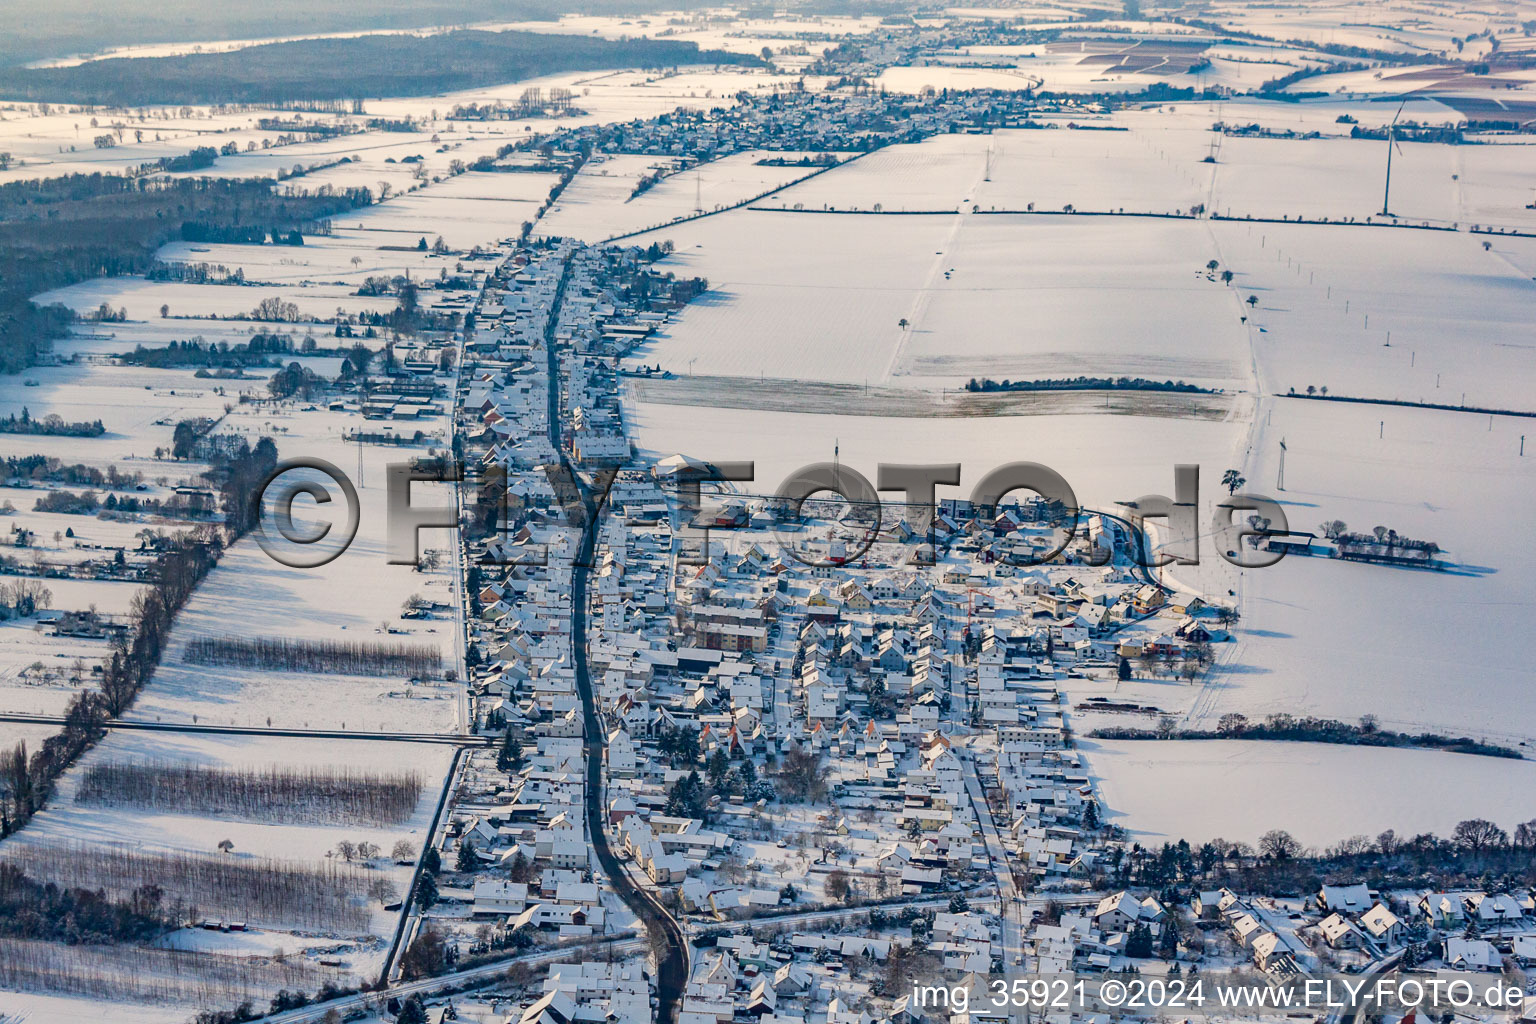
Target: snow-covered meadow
(1164, 791)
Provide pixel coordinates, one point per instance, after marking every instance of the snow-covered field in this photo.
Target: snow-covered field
(67, 821)
(797, 294)
(1419, 649)
(139, 408)
(1363, 311)
(143, 298)
(598, 203)
(1104, 458)
(1199, 790)
(350, 599)
(357, 597)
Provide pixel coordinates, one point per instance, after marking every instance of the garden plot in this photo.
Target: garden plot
(797, 295)
(1024, 297)
(1199, 790)
(1419, 316)
(1419, 649)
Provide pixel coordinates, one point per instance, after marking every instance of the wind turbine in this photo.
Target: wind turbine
(1391, 145)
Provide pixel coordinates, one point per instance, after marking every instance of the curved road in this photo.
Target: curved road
(666, 935)
(667, 940)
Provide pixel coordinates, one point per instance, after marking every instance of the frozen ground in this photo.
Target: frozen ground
(800, 295)
(1198, 790)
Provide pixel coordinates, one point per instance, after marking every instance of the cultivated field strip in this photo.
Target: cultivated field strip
(330, 656)
(273, 793)
(262, 891)
(814, 397)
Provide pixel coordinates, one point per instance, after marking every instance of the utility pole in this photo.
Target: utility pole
(1280, 482)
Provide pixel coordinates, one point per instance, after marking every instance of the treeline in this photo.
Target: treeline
(238, 475)
(196, 160)
(323, 895)
(986, 384)
(52, 425)
(258, 351)
(144, 973)
(196, 273)
(60, 231)
(1304, 729)
(39, 468)
(270, 794)
(370, 65)
(355, 658)
(1478, 854)
(35, 910)
(284, 1000)
(295, 379)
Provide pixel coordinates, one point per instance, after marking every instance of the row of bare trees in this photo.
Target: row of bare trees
(329, 896)
(143, 974)
(275, 793)
(354, 658)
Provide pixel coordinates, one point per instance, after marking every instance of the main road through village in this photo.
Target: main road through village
(667, 940)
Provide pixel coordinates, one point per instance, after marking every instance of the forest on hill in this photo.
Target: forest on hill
(346, 68)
